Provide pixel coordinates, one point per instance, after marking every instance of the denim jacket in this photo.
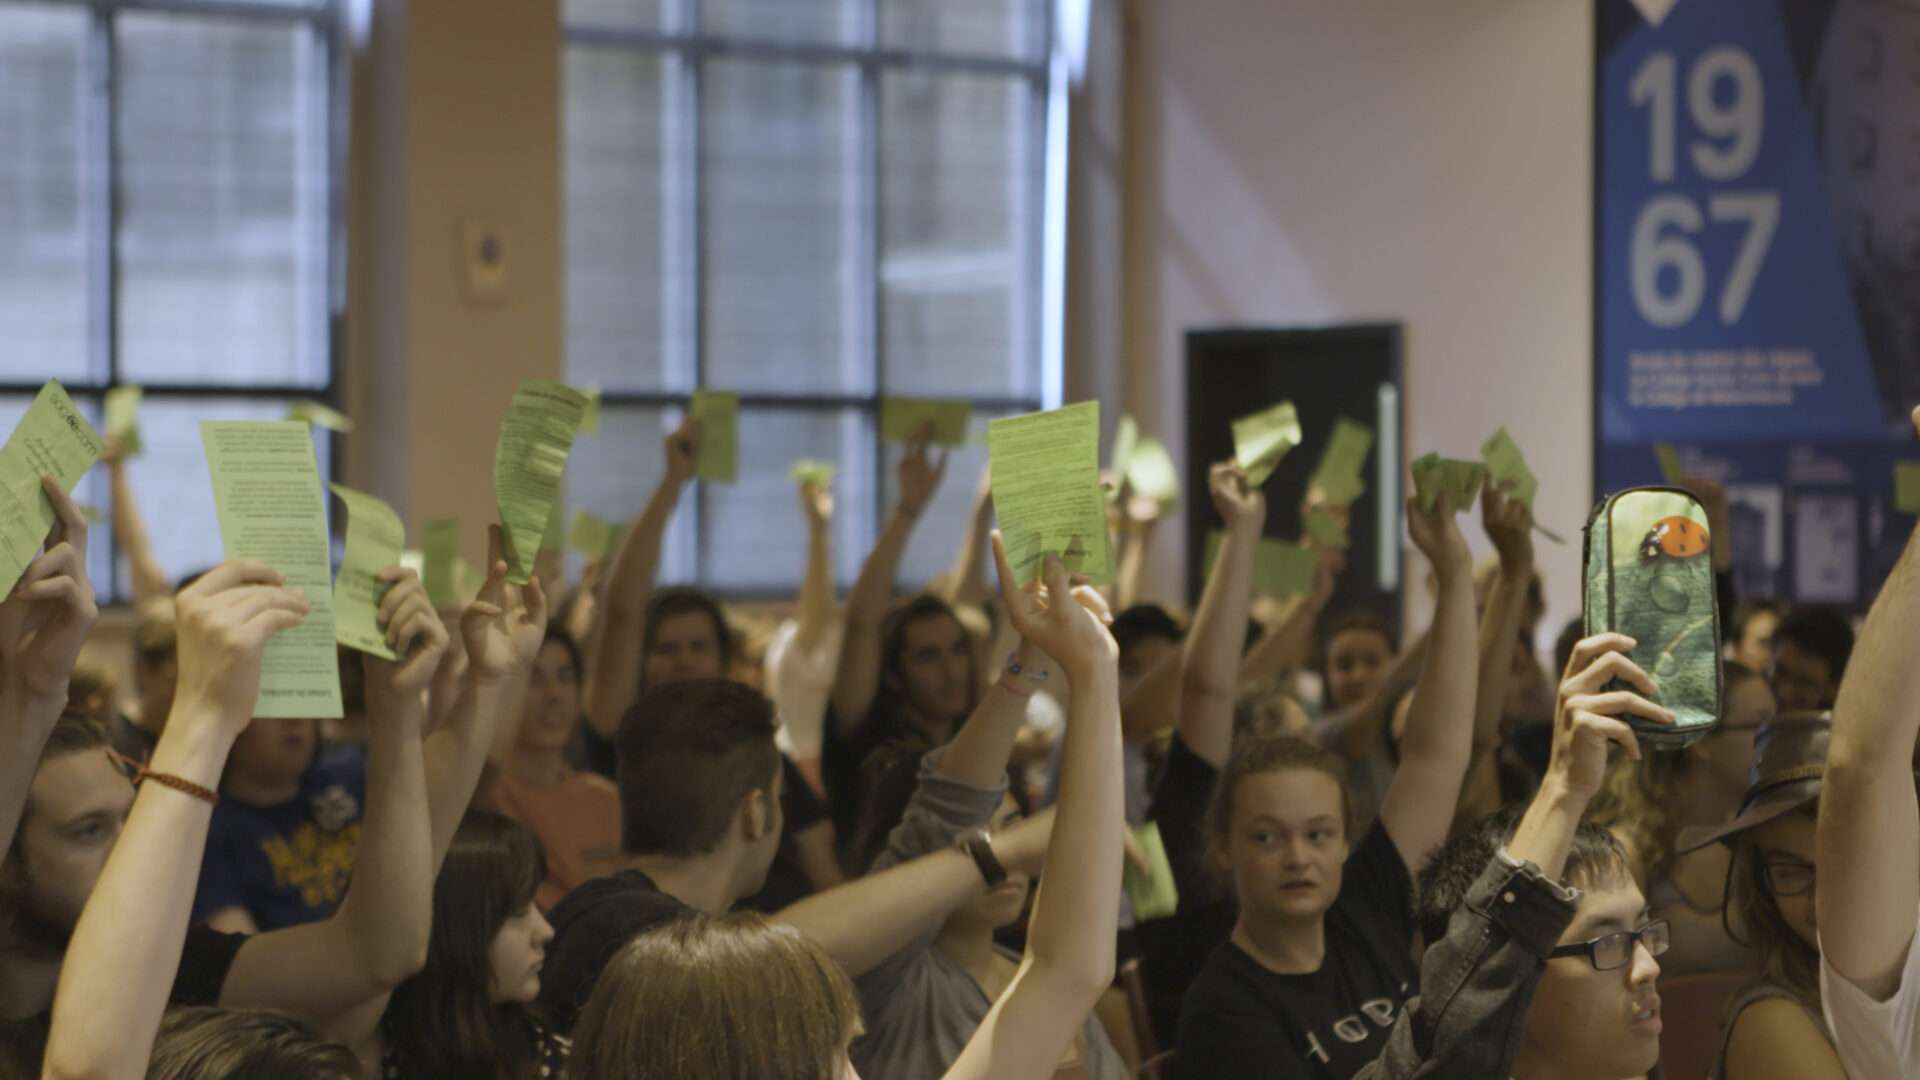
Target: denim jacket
(1477, 982)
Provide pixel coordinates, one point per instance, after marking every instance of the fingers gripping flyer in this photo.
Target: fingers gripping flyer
(1046, 490)
(375, 537)
(528, 463)
(266, 491)
(52, 439)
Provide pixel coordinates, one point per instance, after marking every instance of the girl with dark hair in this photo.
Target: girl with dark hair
(576, 814)
(467, 1013)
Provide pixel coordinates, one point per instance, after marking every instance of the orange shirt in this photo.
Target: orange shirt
(577, 819)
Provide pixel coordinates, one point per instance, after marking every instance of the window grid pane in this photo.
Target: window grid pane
(47, 193)
(824, 210)
(214, 134)
(222, 240)
(780, 272)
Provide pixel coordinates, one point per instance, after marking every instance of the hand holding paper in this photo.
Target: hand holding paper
(901, 420)
(375, 538)
(1459, 480)
(1152, 891)
(1507, 467)
(528, 463)
(718, 461)
(1261, 440)
(54, 440)
(1326, 530)
(1151, 473)
(123, 421)
(412, 631)
(1339, 474)
(1046, 490)
(266, 490)
(438, 552)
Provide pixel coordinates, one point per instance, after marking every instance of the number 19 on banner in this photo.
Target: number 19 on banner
(1726, 120)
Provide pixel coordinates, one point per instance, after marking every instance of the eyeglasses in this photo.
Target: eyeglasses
(1788, 877)
(1615, 951)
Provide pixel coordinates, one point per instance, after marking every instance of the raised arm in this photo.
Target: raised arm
(857, 680)
(378, 937)
(130, 530)
(1290, 637)
(1510, 527)
(1869, 833)
(43, 623)
(965, 582)
(125, 950)
(1210, 657)
(502, 630)
(815, 610)
(1478, 980)
(1418, 807)
(1070, 942)
(1139, 520)
(978, 754)
(865, 921)
(613, 681)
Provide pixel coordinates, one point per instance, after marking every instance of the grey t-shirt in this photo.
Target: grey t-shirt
(921, 1007)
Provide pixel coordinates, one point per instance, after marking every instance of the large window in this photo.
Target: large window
(814, 203)
(167, 218)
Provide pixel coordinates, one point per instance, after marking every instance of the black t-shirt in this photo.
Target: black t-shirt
(589, 926)
(1241, 1019)
(206, 956)
(787, 881)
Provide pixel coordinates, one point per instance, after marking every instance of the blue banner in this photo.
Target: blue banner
(1757, 288)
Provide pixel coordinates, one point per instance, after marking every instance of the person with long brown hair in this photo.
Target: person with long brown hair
(732, 999)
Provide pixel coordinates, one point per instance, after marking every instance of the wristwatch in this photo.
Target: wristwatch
(979, 846)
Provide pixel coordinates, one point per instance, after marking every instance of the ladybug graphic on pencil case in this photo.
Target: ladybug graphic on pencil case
(1649, 575)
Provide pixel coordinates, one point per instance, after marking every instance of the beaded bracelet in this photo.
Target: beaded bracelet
(138, 772)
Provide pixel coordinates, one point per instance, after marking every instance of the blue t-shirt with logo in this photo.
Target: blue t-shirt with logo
(287, 864)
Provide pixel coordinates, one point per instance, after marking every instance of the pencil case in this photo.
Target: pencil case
(1649, 575)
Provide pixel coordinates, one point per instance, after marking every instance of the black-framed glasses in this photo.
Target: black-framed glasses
(1613, 951)
(1788, 877)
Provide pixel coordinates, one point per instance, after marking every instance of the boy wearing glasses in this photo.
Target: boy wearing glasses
(1542, 963)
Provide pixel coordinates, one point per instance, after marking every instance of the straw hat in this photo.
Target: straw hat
(1790, 757)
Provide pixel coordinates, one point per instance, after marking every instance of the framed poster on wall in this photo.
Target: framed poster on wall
(1757, 271)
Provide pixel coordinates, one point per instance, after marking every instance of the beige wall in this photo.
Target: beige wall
(1309, 161)
(456, 115)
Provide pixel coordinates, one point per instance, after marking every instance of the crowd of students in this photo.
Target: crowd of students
(620, 830)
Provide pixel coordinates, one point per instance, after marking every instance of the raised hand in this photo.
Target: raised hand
(1587, 714)
(1239, 505)
(920, 472)
(1066, 623)
(503, 627)
(225, 620)
(413, 631)
(1510, 526)
(1437, 534)
(683, 450)
(816, 501)
(47, 617)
